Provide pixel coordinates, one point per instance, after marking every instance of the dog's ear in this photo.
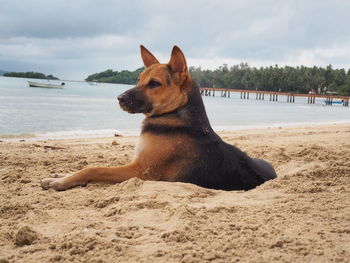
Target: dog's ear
(177, 61)
(147, 57)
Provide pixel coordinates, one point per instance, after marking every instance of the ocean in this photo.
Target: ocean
(84, 110)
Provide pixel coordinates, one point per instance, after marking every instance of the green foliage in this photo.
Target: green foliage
(287, 79)
(110, 76)
(274, 78)
(31, 75)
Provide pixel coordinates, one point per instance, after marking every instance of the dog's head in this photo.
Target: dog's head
(161, 88)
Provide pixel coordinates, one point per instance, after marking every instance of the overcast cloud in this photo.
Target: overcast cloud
(72, 39)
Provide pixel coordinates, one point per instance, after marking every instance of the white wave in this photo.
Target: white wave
(84, 134)
(276, 125)
(73, 134)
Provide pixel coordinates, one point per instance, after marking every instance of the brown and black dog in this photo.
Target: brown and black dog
(177, 142)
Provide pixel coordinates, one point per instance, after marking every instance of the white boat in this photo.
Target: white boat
(45, 85)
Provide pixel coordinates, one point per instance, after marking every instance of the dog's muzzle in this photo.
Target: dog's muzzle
(133, 101)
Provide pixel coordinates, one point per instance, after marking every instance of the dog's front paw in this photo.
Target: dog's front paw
(55, 181)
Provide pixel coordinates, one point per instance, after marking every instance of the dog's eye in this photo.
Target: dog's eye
(154, 84)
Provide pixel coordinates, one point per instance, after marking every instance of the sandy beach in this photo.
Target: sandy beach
(302, 216)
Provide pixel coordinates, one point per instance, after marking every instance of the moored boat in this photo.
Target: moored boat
(45, 85)
(334, 102)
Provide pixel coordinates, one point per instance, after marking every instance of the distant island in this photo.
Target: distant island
(30, 75)
(298, 79)
(120, 77)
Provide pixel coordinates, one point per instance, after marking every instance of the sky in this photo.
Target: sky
(72, 39)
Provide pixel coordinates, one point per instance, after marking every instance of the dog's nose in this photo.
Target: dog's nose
(122, 98)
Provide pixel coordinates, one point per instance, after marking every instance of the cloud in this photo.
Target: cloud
(63, 18)
(77, 38)
(338, 54)
(81, 56)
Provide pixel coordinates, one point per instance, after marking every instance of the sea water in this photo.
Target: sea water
(84, 110)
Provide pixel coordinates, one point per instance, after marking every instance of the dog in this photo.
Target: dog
(177, 143)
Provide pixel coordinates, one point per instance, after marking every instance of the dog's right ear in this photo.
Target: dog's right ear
(147, 57)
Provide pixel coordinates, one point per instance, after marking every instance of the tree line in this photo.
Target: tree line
(31, 75)
(121, 77)
(298, 79)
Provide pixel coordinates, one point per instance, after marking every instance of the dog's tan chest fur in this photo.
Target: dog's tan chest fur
(155, 154)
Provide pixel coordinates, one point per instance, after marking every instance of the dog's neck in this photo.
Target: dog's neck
(192, 115)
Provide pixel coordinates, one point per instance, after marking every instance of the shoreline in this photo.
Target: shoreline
(105, 133)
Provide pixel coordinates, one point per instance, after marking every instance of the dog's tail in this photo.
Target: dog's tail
(266, 170)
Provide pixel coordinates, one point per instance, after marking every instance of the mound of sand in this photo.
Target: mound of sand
(302, 216)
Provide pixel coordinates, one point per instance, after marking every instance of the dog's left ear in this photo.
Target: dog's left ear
(177, 61)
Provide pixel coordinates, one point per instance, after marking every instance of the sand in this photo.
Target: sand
(302, 216)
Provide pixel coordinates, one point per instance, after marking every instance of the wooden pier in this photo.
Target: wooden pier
(274, 95)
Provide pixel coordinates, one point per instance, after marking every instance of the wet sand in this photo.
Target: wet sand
(302, 216)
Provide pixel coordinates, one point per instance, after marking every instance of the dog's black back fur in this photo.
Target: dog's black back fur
(215, 164)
